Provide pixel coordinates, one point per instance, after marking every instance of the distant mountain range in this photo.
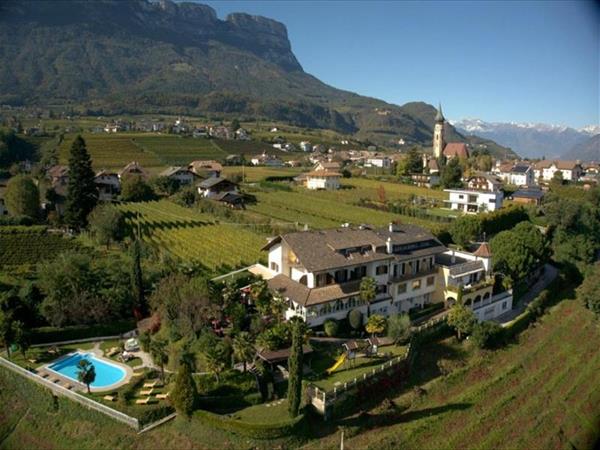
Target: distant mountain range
(588, 150)
(140, 56)
(530, 140)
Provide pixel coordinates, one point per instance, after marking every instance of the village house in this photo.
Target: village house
(518, 174)
(318, 273)
(59, 181)
(242, 135)
(108, 184)
(306, 146)
(221, 132)
(206, 168)
(133, 169)
(322, 179)
(380, 161)
(181, 175)
(216, 186)
(482, 194)
(546, 169)
(200, 132)
(532, 195)
(483, 182)
(267, 160)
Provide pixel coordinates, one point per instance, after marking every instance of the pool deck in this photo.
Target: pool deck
(76, 385)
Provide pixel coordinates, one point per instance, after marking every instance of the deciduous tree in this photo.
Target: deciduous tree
(22, 196)
(461, 319)
(398, 327)
(376, 324)
(107, 224)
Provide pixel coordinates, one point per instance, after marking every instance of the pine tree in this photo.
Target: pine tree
(137, 280)
(184, 393)
(82, 194)
(295, 369)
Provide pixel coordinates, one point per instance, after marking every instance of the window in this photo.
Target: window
(430, 281)
(416, 285)
(401, 288)
(461, 196)
(382, 289)
(381, 270)
(504, 305)
(274, 267)
(492, 200)
(472, 199)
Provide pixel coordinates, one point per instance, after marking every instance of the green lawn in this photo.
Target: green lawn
(350, 369)
(271, 412)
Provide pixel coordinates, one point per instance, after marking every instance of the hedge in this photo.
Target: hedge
(23, 229)
(155, 414)
(253, 430)
(230, 401)
(427, 310)
(45, 335)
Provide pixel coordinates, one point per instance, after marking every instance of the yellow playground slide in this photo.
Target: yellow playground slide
(337, 364)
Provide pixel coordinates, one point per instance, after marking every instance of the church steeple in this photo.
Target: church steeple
(439, 117)
(438, 134)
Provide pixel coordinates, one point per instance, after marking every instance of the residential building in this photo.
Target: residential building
(473, 201)
(322, 179)
(318, 273)
(306, 146)
(206, 168)
(330, 166)
(483, 182)
(382, 162)
(182, 175)
(133, 169)
(108, 184)
(546, 169)
(519, 174)
(267, 160)
(425, 179)
(215, 187)
(242, 135)
(528, 195)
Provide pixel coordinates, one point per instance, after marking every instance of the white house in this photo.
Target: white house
(215, 187)
(473, 201)
(108, 184)
(318, 273)
(519, 174)
(545, 170)
(267, 160)
(383, 162)
(323, 179)
(182, 175)
(306, 146)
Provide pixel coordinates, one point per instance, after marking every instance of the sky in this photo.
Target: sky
(510, 61)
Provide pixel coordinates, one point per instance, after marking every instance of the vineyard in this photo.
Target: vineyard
(323, 209)
(542, 393)
(111, 150)
(254, 174)
(178, 150)
(30, 245)
(193, 236)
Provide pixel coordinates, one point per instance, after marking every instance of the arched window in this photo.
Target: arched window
(486, 295)
(477, 299)
(468, 302)
(451, 301)
(303, 280)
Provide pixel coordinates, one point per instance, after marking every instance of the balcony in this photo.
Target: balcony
(469, 288)
(412, 276)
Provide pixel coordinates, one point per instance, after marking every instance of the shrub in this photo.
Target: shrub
(44, 335)
(154, 414)
(331, 327)
(355, 319)
(487, 335)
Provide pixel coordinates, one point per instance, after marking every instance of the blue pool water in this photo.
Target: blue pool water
(106, 374)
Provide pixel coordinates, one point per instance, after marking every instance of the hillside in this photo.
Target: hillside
(116, 57)
(588, 150)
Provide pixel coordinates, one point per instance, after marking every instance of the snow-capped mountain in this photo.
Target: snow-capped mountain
(533, 140)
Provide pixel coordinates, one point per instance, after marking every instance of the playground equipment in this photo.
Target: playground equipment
(338, 363)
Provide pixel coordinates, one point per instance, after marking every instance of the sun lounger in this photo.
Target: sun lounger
(68, 386)
(151, 384)
(138, 374)
(162, 396)
(113, 351)
(147, 392)
(110, 398)
(144, 401)
(44, 375)
(32, 361)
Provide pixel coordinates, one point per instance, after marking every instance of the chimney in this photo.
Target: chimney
(453, 258)
(388, 245)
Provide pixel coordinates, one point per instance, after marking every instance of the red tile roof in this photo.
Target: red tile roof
(456, 149)
(483, 251)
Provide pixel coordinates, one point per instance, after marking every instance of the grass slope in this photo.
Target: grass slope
(30, 418)
(542, 393)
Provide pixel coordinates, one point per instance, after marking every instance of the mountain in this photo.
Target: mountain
(588, 150)
(529, 140)
(141, 56)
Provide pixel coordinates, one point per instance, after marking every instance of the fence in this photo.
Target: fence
(60, 390)
(322, 399)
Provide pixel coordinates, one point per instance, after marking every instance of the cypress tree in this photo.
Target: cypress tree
(82, 194)
(137, 281)
(184, 393)
(295, 369)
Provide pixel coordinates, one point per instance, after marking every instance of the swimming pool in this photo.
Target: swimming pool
(107, 374)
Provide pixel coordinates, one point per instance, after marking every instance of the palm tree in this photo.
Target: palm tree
(243, 348)
(215, 362)
(158, 351)
(368, 292)
(86, 373)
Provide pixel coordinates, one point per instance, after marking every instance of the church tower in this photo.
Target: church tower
(438, 134)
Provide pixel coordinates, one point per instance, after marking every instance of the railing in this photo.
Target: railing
(495, 299)
(476, 287)
(58, 389)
